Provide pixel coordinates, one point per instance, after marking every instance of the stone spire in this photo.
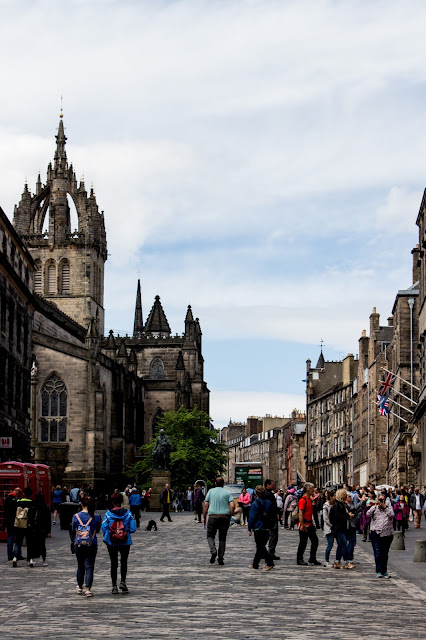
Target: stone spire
(157, 322)
(138, 324)
(189, 324)
(60, 153)
(321, 361)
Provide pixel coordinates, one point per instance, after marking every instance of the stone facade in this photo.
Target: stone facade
(16, 317)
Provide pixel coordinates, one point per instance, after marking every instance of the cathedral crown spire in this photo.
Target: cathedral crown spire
(138, 324)
(157, 322)
(61, 139)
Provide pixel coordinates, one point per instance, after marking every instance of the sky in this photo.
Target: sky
(262, 161)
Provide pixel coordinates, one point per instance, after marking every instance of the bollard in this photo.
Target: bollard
(420, 551)
(398, 542)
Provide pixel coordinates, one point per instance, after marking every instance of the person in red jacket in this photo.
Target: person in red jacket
(245, 501)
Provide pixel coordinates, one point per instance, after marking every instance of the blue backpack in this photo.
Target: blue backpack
(83, 536)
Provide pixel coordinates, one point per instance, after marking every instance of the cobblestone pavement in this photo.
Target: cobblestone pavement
(176, 593)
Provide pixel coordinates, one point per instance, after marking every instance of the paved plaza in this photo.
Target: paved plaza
(176, 593)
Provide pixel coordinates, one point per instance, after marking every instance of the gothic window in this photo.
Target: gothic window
(51, 278)
(65, 277)
(54, 410)
(157, 369)
(37, 278)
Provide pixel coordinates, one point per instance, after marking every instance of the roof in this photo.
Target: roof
(157, 321)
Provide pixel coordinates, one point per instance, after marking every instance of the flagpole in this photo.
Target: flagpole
(401, 405)
(403, 379)
(398, 393)
(399, 417)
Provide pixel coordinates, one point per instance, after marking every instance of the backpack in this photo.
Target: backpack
(21, 517)
(117, 532)
(83, 538)
(295, 512)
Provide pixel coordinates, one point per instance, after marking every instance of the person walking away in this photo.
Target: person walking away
(85, 525)
(381, 534)
(189, 499)
(244, 501)
(166, 500)
(9, 507)
(280, 505)
(39, 527)
(402, 513)
(260, 522)
(21, 527)
(273, 536)
(219, 506)
(117, 526)
(316, 497)
(126, 497)
(135, 502)
(328, 534)
(56, 501)
(339, 519)
(198, 502)
(417, 501)
(306, 527)
(289, 504)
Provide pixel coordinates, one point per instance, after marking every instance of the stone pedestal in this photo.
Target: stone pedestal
(398, 542)
(159, 479)
(419, 551)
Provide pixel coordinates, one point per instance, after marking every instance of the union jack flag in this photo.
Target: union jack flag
(386, 386)
(383, 404)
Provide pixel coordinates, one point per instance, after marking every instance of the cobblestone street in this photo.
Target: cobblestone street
(176, 593)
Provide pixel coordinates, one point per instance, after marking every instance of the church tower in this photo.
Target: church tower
(70, 262)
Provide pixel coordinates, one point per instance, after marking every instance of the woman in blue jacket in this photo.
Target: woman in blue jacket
(260, 523)
(117, 526)
(85, 543)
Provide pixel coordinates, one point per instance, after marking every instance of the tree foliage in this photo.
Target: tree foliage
(196, 453)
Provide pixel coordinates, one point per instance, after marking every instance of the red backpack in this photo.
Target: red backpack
(117, 532)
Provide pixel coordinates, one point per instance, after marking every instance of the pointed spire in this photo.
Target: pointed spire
(132, 357)
(321, 361)
(122, 352)
(180, 365)
(138, 324)
(189, 316)
(189, 324)
(60, 154)
(157, 321)
(111, 340)
(38, 185)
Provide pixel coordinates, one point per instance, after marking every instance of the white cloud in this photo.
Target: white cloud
(238, 405)
(398, 213)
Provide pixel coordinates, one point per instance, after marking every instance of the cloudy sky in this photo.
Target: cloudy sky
(262, 161)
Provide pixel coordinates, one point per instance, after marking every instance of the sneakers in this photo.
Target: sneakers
(314, 563)
(14, 562)
(115, 590)
(213, 557)
(337, 565)
(88, 593)
(54, 522)
(251, 566)
(31, 564)
(123, 587)
(349, 565)
(44, 564)
(386, 575)
(268, 567)
(302, 563)
(79, 590)
(379, 575)
(328, 565)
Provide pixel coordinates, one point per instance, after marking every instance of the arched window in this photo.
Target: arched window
(54, 410)
(37, 278)
(157, 369)
(65, 277)
(51, 278)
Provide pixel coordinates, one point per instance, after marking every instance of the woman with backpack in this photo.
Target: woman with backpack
(86, 525)
(39, 527)
(117, 526)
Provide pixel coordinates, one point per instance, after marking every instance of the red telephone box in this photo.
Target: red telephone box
(44, 482)
(12, 474)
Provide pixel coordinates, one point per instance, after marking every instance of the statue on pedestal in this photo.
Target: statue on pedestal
(161, 452)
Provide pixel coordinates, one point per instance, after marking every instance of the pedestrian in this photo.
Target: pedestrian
(56, 501)
(316, 498)
(21, 527)
(9, 507)
(306, 527)
(189, 499)
(126, 497)
(198, 502)
(219, 505)
(74, 494)
(244, 501)
(417, 501)
(289, 504)
(354, 512)
(166, 501)
(260, 522)
(39, 527)
(117, 526)
(273, 535)
(381, 534)
(328, 533)
(250, 490)
(339, 519)
(402, 512)
(85, 525)
(280, 505)
(135, 502)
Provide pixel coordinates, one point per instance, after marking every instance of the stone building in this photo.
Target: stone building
(16, 316)
(330, 387)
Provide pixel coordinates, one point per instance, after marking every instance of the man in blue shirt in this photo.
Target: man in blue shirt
(219, 505)
(135, 502)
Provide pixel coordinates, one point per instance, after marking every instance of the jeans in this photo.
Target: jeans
(261, 537)
(113, 555)
(351, 536)
(20, 534)
(273, 539)
(136, 513)
(330, 542)
(310, 533)
(86, 557)
(188, 505)
(10, 541)
(217, 524)
(246, 511)
(342, 546)
(381, 546)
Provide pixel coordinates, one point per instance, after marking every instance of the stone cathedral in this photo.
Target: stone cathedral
(94, 399)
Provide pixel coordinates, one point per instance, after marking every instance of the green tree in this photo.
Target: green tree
(196, 453)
